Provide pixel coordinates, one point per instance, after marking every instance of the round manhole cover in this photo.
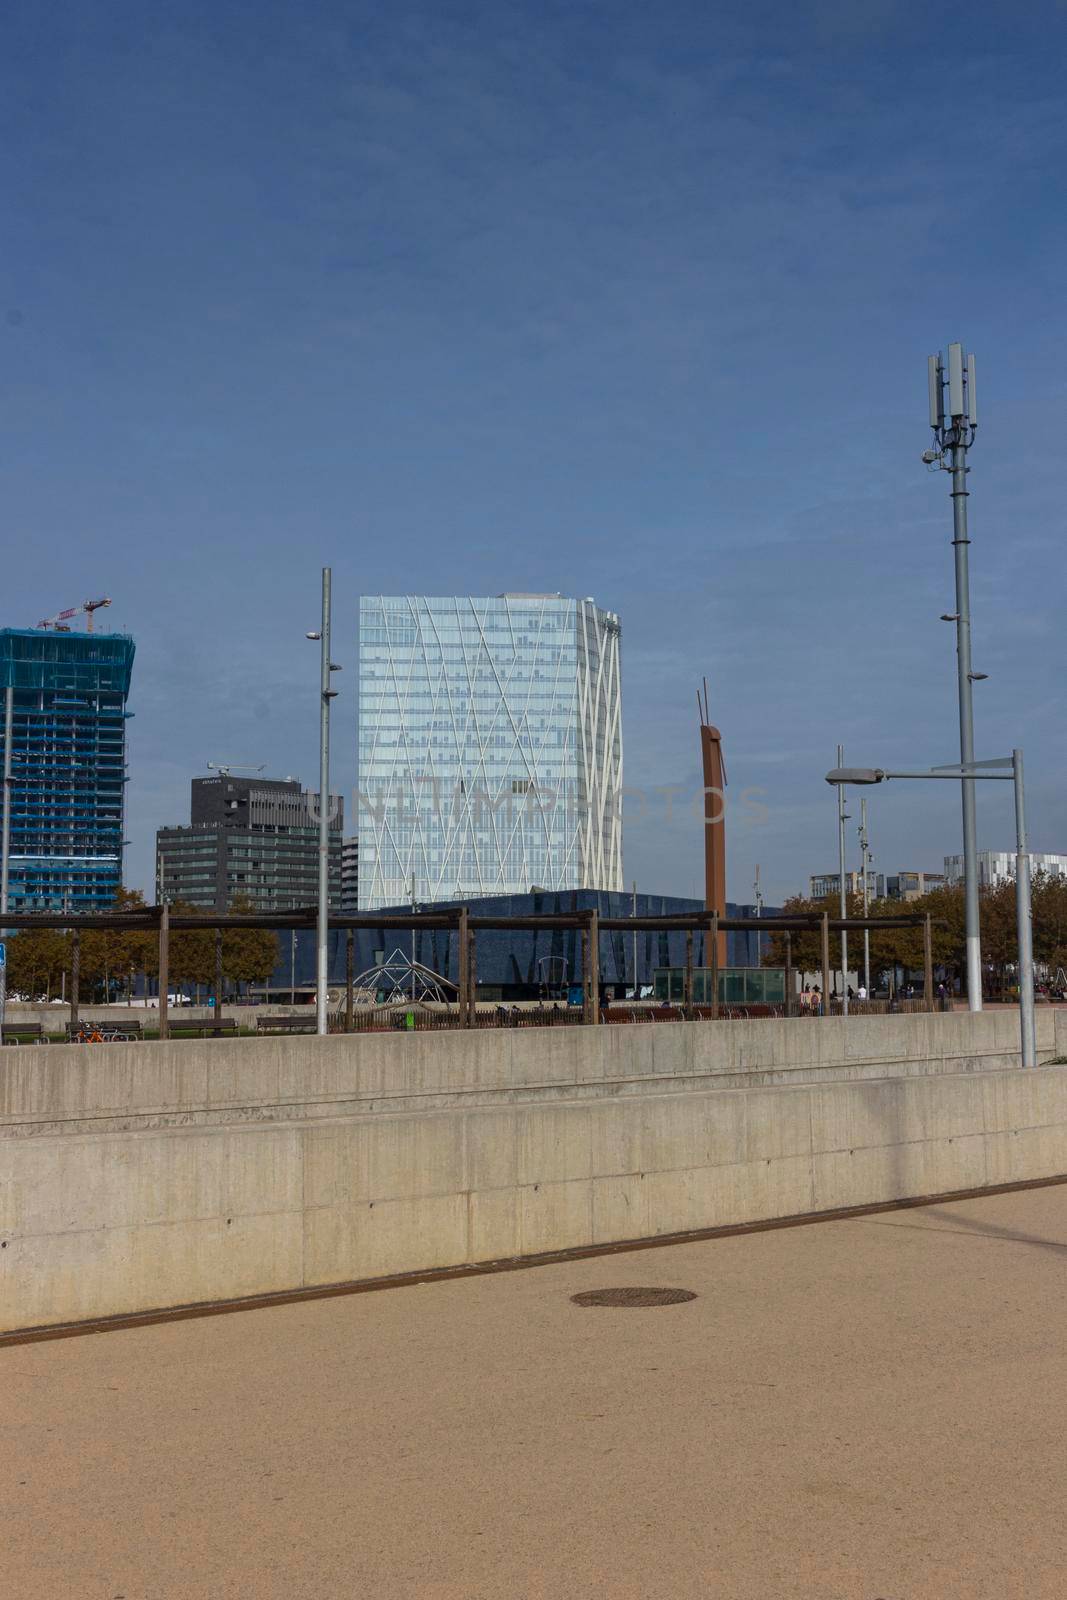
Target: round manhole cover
(632, 1297)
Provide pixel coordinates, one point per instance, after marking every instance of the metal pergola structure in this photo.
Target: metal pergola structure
(163, 921)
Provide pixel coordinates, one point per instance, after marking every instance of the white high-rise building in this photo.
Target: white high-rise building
(490, 747)
(998, 866)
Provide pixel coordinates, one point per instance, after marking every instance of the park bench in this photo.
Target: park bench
(206, 1027)
(24, 1033)
(305, 1022)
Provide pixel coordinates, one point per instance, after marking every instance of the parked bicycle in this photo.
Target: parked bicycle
(99, 1033)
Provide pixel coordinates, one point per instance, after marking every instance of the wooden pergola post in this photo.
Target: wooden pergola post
(472, 979)
(591, 969)
(350, 960)
(463, 967)
(218, 974)
(825, 963)
(164, 967)
(75, 975)
(688, 990)
(928, 963)
(789, 974)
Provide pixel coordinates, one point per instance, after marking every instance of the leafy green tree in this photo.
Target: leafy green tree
(112, 957)
(948, 919)
(806, 944)
(999, 931)
(36, 960)
(249, 955)
(890, 947)
(893, 948)
(1050, 921)
(191, 954)
(140, 948)
(903, 947)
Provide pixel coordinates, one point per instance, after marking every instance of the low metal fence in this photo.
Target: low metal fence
(418, 1018)
(904, 1005)
(421, 1018)
(546, 1016)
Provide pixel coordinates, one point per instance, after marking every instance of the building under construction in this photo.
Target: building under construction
(64, 703)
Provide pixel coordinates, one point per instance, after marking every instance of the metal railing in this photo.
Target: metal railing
(420, 1018)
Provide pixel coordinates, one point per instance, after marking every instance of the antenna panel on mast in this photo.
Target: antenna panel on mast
(956, 406)
(937, 391)
(972, 394)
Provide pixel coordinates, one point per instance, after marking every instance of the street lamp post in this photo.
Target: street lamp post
(326, 694)
(758, 892)
(1024, 926)
(842, 897)
(865, 860)
(1008, 768)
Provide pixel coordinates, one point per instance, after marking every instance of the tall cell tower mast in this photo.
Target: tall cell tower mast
(954, 420)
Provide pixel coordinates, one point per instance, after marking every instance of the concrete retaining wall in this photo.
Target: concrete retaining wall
(135, 1177)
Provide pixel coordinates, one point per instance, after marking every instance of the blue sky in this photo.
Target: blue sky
(617, 300)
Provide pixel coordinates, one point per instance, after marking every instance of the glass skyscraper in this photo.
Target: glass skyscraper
(68, 766)
(490, 747)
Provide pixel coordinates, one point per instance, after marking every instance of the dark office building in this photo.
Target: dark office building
(249, 838)
(350, 876)
(67, 694)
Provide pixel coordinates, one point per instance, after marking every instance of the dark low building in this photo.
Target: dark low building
(517, 965)
(350, 876)
(253, 839)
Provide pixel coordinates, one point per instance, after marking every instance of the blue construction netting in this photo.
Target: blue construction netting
(68, 765)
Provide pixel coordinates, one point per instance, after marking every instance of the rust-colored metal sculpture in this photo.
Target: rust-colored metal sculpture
(714, 817)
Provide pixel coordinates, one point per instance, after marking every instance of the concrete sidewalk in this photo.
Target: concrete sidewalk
(863, 1409)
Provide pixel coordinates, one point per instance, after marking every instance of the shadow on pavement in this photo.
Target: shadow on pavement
(971, 1225)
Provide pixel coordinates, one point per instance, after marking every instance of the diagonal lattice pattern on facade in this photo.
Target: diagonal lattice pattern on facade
(490, 747)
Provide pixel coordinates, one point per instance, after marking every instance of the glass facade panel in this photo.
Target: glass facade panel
(760, 986)
(490, 747)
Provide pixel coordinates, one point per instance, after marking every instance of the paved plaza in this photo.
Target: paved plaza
(871, 1409)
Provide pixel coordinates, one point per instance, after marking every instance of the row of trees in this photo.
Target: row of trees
(114, 963)
(902, 948)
